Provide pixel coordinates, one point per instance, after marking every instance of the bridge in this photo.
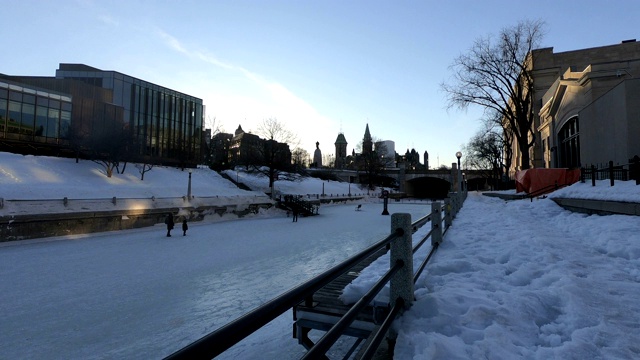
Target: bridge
(422, 183)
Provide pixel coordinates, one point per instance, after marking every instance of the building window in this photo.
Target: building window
(569, 141)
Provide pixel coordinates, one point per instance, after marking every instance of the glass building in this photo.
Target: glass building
(113, 112)
(29, 114)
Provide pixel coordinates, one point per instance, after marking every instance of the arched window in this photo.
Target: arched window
(569, 141)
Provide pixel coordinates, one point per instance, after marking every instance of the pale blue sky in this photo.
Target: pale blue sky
(321, 67)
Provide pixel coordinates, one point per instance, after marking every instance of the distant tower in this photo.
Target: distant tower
(426, 160)
(341, 151)
(367, 142)
(317, 156)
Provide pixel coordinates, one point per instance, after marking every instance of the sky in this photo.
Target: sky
(320, 67)
(511, 280)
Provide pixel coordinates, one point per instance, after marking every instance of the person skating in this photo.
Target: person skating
(185, 227)
(170, 223)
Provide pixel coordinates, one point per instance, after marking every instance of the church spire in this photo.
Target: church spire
(367, 134)
(367, 142)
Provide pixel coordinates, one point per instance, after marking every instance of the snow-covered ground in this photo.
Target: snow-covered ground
(515, 279)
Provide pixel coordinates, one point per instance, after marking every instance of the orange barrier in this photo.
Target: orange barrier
(533, 180)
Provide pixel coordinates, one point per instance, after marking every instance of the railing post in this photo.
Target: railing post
(593, 175)
(436, 223)
(447, 212)
(611, 171)
(456, 205)
(634, 169)
(402, 249)
(452, 197)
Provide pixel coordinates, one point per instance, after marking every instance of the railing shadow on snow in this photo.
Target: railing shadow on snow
(400, 274)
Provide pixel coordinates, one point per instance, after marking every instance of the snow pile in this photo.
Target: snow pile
(625, 191)
(40, 177)
(299, 185)
(524, 279)
(511, 280)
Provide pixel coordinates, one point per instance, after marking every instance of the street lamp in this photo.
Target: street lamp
(189, 188)
(459, 155)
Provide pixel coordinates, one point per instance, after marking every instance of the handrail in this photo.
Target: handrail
(382, 331)
(220, 340)
(378, 336)
(230, 334)
(424, 263)
(617, 172)
(331, 336)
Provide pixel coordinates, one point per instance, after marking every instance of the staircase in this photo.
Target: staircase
(296, 203)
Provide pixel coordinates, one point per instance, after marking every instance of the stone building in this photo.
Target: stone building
(341, 151)
(586, 106)
(243, 148)
(426, 160)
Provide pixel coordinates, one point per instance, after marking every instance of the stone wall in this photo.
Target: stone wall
(23, 227)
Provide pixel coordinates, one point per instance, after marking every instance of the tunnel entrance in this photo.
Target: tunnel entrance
(427, 188)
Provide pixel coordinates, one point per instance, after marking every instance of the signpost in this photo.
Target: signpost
(385, 196)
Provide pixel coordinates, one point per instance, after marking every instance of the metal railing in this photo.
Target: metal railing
(215, 343)
(624, 172)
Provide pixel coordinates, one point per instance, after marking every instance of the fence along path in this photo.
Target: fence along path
(335, 318)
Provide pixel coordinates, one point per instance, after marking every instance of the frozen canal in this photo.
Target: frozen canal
(139, 294)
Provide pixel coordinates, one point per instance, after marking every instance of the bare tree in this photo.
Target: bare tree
(111, 145)
(494, 124)
(484, 152)
(300, 159)
(214, 125)
(143, 169)
(275, 155)
(497, 74)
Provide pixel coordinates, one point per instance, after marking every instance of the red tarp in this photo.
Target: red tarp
(532, 180)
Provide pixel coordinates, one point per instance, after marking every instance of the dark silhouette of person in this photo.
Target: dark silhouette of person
(170, 223)
(185, 227)
(295, 215)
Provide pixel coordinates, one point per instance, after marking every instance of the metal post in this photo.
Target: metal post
(385, 195)
(593, 175)
(189, 188)
(611, 171)
(459, 155)
(402, 249)
(436, 223)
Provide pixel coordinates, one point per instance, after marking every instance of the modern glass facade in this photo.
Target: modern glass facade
(82, 108)
(32, 114)
(164, 124)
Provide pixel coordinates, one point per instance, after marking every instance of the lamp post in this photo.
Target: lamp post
(189, 188)
(459, 155)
